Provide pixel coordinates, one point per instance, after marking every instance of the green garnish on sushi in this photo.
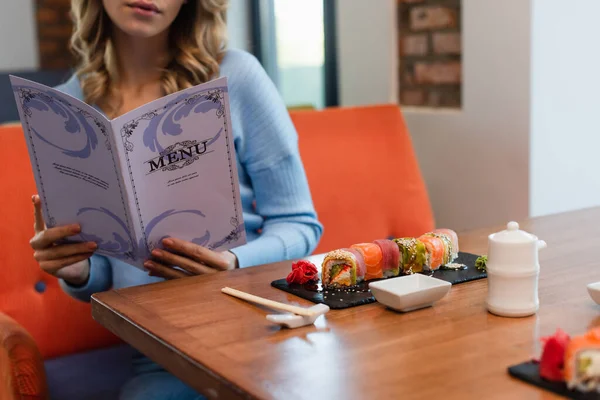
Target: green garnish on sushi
(407, 256)
(481, 263)
(421, 253)
(583, 365)
(335, 270)
(413, 254)
(343, 275)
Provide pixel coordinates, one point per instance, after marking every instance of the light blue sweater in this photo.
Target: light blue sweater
(283, 225)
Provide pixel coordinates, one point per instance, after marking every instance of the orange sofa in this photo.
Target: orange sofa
(33, 308)
(365, 183)
(363, 174)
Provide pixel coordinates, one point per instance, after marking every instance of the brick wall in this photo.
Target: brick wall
(54, 30)
(430, 52)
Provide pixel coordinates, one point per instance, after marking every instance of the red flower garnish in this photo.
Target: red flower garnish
(553, 356)
(302, 271)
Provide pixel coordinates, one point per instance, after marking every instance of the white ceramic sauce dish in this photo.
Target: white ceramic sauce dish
(409, 293)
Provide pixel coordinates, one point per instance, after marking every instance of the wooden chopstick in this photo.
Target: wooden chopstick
(269, 303)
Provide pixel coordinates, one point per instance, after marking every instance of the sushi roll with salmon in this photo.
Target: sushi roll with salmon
(373, 257)
(343, 268)
(582, 362)
(449, 254)
(390, 257)
(414, 257)
(436, 249)
(453, 238)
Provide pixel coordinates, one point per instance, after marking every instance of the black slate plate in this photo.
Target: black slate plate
(360, 294)
(530, 372)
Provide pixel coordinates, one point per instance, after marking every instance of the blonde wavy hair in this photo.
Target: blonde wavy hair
(197, 44)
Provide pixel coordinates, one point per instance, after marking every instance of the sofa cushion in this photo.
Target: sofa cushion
(93, 375)
(58, 323)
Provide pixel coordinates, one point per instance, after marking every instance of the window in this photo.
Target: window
(294, 41)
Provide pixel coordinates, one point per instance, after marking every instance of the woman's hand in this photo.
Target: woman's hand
(191, 258)
(65, 261)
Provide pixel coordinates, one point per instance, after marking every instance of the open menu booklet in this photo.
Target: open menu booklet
(166, 169)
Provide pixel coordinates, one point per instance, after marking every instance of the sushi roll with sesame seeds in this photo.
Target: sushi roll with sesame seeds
(436, 249)
(413, 255)
(449, 254)
(343, 268)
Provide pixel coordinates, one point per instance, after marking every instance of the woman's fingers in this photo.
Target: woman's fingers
(157, 269)
(54, 258)
(198, 253)
(67, 250)
(46, 238)
(38, 224)
(52, 266)
(189, 265)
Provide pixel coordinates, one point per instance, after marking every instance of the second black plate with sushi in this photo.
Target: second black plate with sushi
(530, 372)
(360, 294)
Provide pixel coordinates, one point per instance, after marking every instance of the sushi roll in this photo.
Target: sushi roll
(448, 248)
(390, 257)
(343, 268)
(373, 257)
(413, 255)
(436, 249)
(361, 267)
(582, 362)
(453, 237)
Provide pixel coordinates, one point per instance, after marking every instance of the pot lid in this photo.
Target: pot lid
(513, 234)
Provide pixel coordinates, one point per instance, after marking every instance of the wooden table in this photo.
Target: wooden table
(226, 348)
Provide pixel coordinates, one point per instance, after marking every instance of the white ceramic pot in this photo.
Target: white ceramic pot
(513, 295)
(513, 272)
